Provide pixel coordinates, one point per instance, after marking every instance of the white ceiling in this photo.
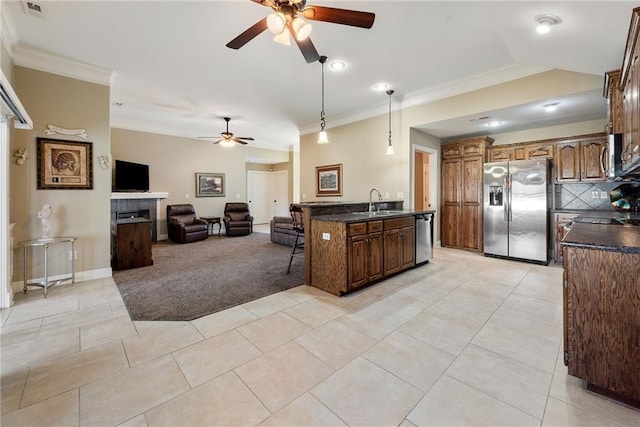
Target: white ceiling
(174, 75)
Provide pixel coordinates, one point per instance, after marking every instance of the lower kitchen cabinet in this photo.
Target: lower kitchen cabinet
(399, 245)
(131, 243)
(561, 221)
(365, 252)
(602, 320)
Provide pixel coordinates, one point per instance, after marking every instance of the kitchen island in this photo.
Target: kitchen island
(352, 249)
(602, 304)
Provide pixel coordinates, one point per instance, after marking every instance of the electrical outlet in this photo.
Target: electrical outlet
(186, 196)
(604, 195)
(326, 236)
(400, 195)
(595, 194)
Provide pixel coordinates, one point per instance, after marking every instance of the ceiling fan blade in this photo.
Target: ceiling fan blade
(248, 35)
(268, 3)
(239, 142)
(307, 48)
(248, 138)
(206, 137)
(339, 16)
(220, 140)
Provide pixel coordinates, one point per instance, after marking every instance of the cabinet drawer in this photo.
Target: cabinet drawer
(356, 228)
(374, 226)
(399, 222)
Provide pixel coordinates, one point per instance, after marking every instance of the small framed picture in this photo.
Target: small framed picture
(210, 184)
(329, 180)
(64, 165)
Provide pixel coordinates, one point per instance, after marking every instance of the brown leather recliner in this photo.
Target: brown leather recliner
(183, 226)
(237, 219)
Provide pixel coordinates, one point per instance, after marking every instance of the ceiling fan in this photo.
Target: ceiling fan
(228, 139)
(287, 19)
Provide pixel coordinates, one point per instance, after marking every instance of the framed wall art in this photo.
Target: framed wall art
(64, 165)
(329, 180)
(210, 184)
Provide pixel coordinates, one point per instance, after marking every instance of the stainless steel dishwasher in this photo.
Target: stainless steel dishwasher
(424, 237)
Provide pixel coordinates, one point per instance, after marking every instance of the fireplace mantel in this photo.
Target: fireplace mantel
(126, 195)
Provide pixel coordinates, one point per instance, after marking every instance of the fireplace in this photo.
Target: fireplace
(137, 205)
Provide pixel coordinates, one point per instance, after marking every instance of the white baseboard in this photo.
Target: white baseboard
(81, 276)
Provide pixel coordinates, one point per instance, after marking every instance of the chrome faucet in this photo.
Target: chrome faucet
(371, 196)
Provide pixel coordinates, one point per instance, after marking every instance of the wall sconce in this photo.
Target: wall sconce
(105, 161)
(21, 155)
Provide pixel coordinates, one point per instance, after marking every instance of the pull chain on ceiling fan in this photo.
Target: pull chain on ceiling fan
(228, 139)
(288, 19)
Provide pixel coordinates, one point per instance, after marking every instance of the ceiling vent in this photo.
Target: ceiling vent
(33, 9)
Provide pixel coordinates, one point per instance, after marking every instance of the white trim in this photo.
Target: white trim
(44, 61)
(5, 229)
(11, 105)
(82, 276)
(8, 28)
(490, 78)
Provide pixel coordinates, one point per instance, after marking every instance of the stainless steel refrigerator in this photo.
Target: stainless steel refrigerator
(516, 209)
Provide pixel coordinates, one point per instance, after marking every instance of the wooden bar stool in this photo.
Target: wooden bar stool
(298, 227)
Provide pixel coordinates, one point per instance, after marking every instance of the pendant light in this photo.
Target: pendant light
(390, 151)
(322, 137)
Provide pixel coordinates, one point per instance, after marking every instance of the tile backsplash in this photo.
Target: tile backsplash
(584, 195)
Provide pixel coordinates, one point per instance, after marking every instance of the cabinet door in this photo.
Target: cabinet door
(392, 251)
(470, 224)
(519, 153)
(591, 158)
(539, 151)
(497, 154)
(408, 242)
(450, 203)
(450, 150)
(631, 106)
(568, 161)
(375, 252)
(357, 261)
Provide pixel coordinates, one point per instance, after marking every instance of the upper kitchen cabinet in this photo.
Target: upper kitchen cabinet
(630, 88)
(581, 159)
(615, 118)
(462, 169)
(539, 151)
(504, 153)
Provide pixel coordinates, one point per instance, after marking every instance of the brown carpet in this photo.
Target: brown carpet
(192, 280)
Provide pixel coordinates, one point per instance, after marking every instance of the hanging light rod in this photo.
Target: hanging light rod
(322, 136)
(390, 151)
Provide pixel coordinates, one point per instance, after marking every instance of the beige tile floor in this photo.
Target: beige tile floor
(463, 340)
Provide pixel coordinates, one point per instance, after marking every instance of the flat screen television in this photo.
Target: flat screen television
(129, 176)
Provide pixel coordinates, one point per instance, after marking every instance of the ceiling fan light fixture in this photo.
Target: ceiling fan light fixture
(227, 143)
(276, 22)
(301, 28)
(283, 38)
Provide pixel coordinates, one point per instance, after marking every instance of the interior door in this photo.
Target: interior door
(279, 193)
(258, 196)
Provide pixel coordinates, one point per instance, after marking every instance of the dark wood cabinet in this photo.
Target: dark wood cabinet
(462, 210)
(365, 252)
(131, 243)
(615, 118)
(539, 151)
(630, 88)
(504, 153)
(399, 245)
(561, 221)
(601, 318)
(581, 160)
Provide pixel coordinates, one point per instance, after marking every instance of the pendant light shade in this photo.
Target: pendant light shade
(276, 22)
(390, 151)
(301, 29)
(322, 137)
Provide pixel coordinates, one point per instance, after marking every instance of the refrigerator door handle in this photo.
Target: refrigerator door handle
(505, 194)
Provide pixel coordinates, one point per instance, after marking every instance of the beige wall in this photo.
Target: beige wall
(174, 161)
(70, 104)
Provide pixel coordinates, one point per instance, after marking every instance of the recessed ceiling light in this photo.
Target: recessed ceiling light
(549, 108)
(380, 86)
(338, 65)
(494, 124)
(545, 22)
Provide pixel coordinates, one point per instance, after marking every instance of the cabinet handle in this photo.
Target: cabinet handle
(603, 156)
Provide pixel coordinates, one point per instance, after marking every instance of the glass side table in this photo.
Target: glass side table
(45, 243)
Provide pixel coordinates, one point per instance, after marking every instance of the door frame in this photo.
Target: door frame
(434, 190)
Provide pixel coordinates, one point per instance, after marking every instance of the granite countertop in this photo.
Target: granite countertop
(607, 237)
(367, 216)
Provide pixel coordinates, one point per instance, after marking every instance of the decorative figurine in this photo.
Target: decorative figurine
(21, 156)
(44, 215)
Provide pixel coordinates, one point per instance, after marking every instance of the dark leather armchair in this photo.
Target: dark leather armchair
(183, 226)
(237, 219)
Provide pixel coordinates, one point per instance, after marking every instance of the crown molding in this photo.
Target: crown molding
(423, 96)
(7, 28)
(26, 56)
